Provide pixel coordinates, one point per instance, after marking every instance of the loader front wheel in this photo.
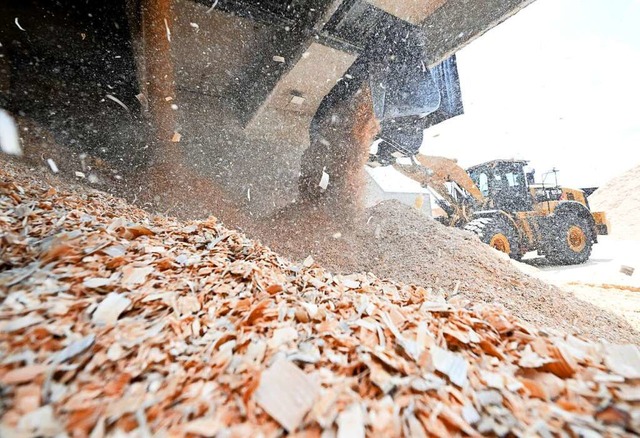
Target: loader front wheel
(500, 242)
(571, 241)
(497, 233)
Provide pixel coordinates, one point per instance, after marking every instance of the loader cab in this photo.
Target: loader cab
(504, 184)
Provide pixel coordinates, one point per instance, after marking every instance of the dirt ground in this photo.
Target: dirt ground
(599, 281)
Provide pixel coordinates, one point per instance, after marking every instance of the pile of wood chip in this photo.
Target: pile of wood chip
(396, 242)
(113, 322)
(620, 199)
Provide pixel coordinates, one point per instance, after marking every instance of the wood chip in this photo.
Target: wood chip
(470, 414)
(223, 337)
(308, 262)
(286, 393)
(351, 422)
(614, 416)
(623, 360)
(132, 276)
(629, 393)
(450, 364)
(187, 305)
(95, 283)
(20, 323)
(22, 375)
(109, 309)
(115, 352)
(563, 365)
(282, 336)
(207, 427)
(28, 398)
(74, 349)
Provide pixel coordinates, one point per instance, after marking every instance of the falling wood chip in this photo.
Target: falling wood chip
(118, 101)
(324, 180)
(176, 137)
(143, 100)
(286, 393)
(109, 310)
(52, 165)
(9, 136)
(627, 270)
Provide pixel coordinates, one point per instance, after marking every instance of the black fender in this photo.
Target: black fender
(504, 215)
(566, 208)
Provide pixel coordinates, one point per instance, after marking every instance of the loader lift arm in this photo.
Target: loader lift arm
(454, 190)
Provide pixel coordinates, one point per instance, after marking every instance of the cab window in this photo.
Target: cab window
(513, 179)
(482, 181)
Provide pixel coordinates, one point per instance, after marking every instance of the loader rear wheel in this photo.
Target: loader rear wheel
(571, 243)
(497, 233)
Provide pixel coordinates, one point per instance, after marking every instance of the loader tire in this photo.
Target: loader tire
(497, 233)
(571, 241)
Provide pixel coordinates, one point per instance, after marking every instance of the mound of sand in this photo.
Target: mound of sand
(620, 199)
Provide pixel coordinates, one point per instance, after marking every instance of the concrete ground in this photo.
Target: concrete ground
(599, 281)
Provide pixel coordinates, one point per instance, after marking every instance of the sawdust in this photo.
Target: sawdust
(620, 200)
(397, 242)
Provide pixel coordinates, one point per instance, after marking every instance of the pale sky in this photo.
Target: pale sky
(558, 84)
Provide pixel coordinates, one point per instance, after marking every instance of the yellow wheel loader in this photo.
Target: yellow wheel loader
(503, 205)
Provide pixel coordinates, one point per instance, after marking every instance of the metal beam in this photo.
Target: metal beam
(458, 22)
